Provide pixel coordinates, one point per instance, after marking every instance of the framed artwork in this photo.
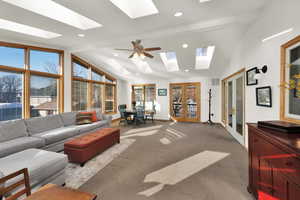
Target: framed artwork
(162, 92)
(251, 76)
(264, 96)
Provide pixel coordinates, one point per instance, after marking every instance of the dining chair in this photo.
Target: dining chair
(10, 192)
(140, 115)
(122, 110)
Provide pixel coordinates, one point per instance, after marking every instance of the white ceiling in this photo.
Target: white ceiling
(220, 23)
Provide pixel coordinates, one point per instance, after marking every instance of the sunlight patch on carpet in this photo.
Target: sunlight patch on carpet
(181, 170)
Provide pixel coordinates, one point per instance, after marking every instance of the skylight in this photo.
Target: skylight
(53, 10)
(136, 8)
(143, 66)
(170, 61)
(28, 30)
(204, 57)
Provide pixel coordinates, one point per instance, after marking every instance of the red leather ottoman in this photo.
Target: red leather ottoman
(83, 148)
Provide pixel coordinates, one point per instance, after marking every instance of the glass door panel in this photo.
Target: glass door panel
(230, 108)
(239, 105)
(235, 107)
(177, 110)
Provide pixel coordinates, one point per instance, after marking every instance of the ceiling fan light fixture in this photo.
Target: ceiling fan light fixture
(185, 46)
(142, 56)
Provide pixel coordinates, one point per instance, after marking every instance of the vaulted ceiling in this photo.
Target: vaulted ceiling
(219, 23)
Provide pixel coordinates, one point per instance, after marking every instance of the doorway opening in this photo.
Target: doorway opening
(233, 105)
(185, 102)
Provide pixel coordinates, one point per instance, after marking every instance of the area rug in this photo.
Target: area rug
(77, 176)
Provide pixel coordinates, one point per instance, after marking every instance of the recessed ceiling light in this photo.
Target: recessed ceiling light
(116, 55)
(186, 70)
(136, 8)
(278, 34)
(28, 30)
(81, 35)
(185, 46)
(53, 10)
(178, 14)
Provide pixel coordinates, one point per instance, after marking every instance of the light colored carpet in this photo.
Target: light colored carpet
(77, 176)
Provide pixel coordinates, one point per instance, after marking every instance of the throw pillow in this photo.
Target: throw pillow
(84, 118)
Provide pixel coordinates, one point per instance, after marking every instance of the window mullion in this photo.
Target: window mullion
(26, 88)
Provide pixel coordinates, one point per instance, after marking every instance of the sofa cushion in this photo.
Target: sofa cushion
(90, 127)
(12, 129)
(68, 118)
(41, 164)
(42, 124)
(20, 144)
(58, 134)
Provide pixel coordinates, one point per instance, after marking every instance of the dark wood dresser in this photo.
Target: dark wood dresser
(274, 164)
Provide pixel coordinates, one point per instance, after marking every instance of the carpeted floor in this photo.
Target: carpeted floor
(175, 161)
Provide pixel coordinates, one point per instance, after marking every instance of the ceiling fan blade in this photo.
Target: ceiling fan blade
(131, 56)
(124, 49)
(152, 49)
(148, 55)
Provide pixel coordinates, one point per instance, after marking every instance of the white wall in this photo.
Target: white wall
(163, 101)
(252, 52)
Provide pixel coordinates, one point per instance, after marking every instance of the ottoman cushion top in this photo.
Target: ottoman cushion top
(41, 164)
(90, 138)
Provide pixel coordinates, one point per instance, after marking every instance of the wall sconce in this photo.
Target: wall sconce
(261, 71)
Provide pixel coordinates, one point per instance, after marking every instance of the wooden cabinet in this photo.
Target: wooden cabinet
(274, 164)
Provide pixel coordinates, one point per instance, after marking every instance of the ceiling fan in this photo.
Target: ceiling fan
(139, 50)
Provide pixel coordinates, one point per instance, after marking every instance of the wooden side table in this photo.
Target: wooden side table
(55, 192)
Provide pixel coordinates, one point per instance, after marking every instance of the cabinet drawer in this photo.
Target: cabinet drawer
(288, 165)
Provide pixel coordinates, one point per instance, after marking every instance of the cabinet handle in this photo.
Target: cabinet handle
(289, 163)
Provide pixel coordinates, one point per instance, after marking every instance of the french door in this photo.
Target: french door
(235, 107)
(185, 102)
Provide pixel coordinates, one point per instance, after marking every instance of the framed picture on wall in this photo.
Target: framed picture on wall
(264, 96)
(162, 92)
(251, 76)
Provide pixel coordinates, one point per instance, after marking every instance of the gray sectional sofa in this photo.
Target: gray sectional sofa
(47, 133)
(33, 144)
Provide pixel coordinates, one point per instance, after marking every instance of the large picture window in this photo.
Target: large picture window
(92, 88)
(144, 95)
(11, 95)
(31, 81)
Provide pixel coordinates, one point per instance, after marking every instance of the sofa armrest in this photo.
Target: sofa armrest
(108, 118)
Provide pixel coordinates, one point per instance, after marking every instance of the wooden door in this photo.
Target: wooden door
(185, 102)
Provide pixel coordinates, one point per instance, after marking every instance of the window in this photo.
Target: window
(44, 61)
(96, 76)
(32, 91)
(43, 96)
(144, 95)
(109, 98)
(92, 88)
(79, 96)
(13, 57)
(80, 71)
(10, 95)
(97, 96)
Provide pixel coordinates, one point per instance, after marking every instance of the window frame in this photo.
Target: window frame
(27, 72)
(91, 68)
